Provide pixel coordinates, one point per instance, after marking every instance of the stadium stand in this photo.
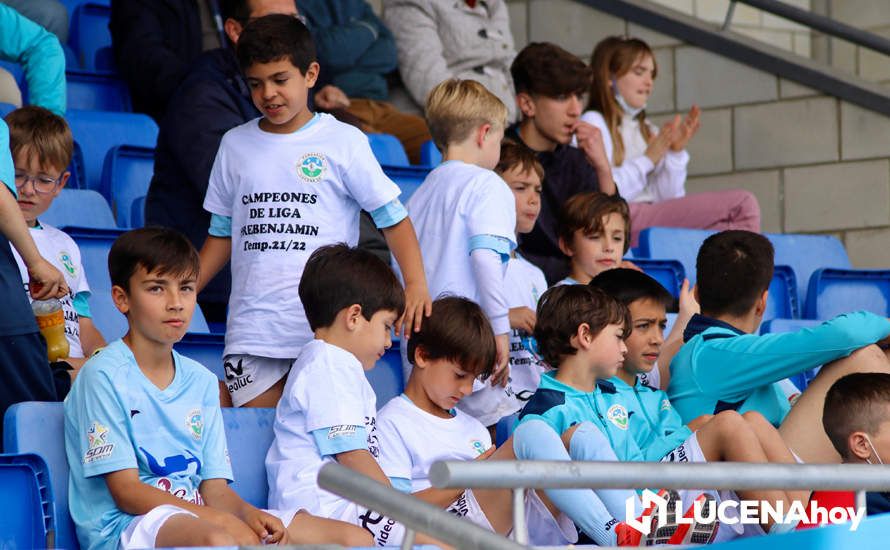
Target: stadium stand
(126, 174)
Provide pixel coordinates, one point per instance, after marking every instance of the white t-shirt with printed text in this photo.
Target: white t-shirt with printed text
(62, 252)
(326, 388)
(287, 195)
(411, 439)
(524, 283)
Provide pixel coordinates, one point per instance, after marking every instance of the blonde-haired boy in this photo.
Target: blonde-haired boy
(464, 213)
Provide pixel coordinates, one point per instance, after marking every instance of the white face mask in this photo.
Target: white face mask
(875, 451)
(632, 112)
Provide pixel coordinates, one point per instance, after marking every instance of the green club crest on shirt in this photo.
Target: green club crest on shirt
(195, 423)
(617, 415)
(311, 167)
(67, 263)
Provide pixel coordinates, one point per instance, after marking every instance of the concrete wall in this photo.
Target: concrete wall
(816, 164)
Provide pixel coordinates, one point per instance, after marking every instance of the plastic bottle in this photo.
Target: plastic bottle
(51, 320)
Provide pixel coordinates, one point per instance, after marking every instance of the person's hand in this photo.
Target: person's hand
(502, 364)
(684, 131)
(267, 527)
(45, 281)
(522, 318)
(660, 143)
(627, 264)
(243, 534)
(418, 305)
(590, 140)
(688, 304)
(331, 97)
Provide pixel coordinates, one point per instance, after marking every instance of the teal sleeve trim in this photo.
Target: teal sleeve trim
(401, 484)
(492, 242)
(220, 226)
(389, 214)
(81, 305)
(340, 439)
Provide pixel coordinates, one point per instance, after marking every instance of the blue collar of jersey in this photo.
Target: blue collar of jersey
(699, 323)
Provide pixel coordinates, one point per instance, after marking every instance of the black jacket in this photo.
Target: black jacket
(154, 43)
(566, 173)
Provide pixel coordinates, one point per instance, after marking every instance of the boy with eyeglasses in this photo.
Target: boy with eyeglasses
(41, 146)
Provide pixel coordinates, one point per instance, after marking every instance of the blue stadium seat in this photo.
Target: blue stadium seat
(248, 433)
(669, 273)
(782, 300)
(388, 150)
(807, 253)
(5, 109)
(28, 519)
(137, 213)
(836, 291)
(72, 4)
(98, 131)
(79, 207)
(77, 179)
(38, 428)
(94, 245)
(96, 92)
(206, 349)
(387, 377)
(430, 155)
(90, 37)
(672, 242)
(126, 173)
(408, 178)
(18, 73)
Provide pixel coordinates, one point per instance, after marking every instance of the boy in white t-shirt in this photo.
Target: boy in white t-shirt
(42, 145)
(423, 425)
(281, 187)
(523, 285)
(464, 212)
(328, 411)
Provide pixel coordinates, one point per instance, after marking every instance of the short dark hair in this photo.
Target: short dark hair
(857, 402)
(629, 285)
(542, 68)
(337, 276)
(515, 154)
(274, 37)
(586, 211)
(457, 331)
(562, 309)
(239, 10)
(41, 132)
(159, 249)
(733, 269)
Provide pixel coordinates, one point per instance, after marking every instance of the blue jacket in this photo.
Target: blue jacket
(653, 423)
(721, 368)
(38, 51)
(354, 47)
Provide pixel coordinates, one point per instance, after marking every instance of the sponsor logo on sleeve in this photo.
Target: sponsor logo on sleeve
(341, 431)
(99, 447)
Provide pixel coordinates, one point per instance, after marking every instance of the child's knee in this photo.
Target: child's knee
(754, 417)
(728, 420)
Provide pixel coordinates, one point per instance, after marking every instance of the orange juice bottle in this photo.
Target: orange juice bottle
(51, 320)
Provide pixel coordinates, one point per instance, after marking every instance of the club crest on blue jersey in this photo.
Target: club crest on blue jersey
(311, 167)
(617, 415)
(195, 424)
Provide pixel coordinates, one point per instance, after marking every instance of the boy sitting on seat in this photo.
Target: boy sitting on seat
(725, 365)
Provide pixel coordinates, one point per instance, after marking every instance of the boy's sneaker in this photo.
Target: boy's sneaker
(670, 531)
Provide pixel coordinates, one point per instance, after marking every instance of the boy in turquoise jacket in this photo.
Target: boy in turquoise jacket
(724, 366)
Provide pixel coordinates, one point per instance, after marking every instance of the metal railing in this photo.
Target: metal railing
(521, 475)
(815, 21)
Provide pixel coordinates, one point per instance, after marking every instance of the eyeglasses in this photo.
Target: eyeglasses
(42, 184)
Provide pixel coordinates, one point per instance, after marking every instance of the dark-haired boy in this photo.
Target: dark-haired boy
(143, 428)
(550, 83)
(328, 411)
(723, 365)
(281, 187)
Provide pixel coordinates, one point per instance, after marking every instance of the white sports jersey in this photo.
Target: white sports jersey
(287, 195)
(411, 439)
(523, 285)
(60, 250)
(458, 202)
(326, 389)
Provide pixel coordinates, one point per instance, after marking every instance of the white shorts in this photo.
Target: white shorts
(248, 376)
(143, 530)
(543, 528)
(690, 451)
